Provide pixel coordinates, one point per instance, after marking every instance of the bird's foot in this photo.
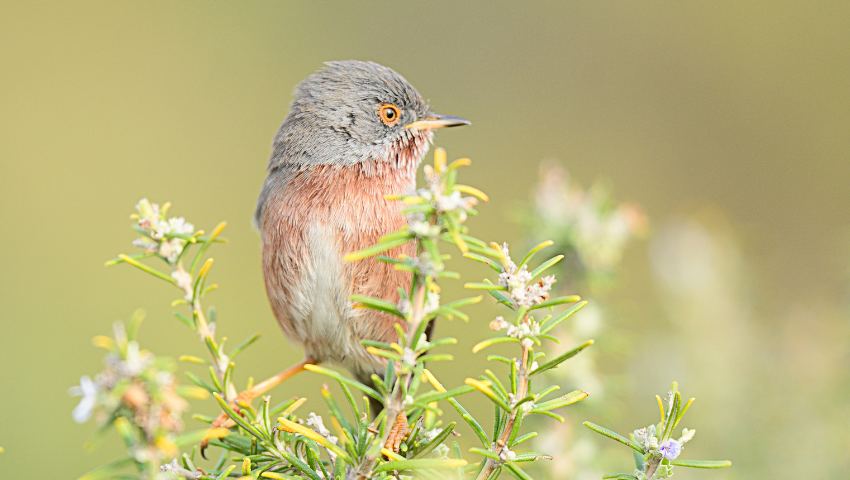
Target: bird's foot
(399, 433)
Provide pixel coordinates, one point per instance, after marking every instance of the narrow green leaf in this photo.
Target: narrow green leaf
(562, 358)
(483, 286)
(499, 358)
(206, 242)
(225, 473)
(106, 470)
(492, 341)
(470, 420)
(186, 320)
(297, 463)
(138, 256)
(488, 392)
(532, 457)
(563, 401)
(437, 396)
(438, 440)
(377, 304)
(236, 417)
(613, 435)
(563, 316)
(403, 233)
(479, 258)
(516, 471)
(197, 381)
(134, 324)
(340, 378)
(527, 436)
(463, 302)
(534, 250)
(419, 464)
(253, 338)
(545, 265)
(484, 453)
(450, 313)
(556, 301)
(376, 249)
(145, 268)
(702, 463)
(456, 453)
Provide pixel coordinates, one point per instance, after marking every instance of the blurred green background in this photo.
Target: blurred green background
(728, 121)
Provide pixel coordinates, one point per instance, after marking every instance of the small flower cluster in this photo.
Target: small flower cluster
(167, 238)
(527, 327)
(436, 193)
(525, 407)
(669, 449)
(587, 223)
(135, 386)
(432, 303)
(419, 226)
(516, 281)
(505, 453)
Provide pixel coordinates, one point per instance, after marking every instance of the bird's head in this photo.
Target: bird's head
(352, 111)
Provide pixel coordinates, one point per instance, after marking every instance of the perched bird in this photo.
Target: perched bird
(355, 132)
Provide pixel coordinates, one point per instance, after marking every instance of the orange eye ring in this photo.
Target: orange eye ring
(390, 114)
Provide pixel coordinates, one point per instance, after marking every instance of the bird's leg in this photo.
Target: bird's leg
(223, 421)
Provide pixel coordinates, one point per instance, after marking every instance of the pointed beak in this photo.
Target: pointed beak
(433, 121)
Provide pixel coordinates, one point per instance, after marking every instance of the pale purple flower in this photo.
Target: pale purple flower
(670, 449)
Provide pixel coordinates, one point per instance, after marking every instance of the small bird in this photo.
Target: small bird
(355, 132)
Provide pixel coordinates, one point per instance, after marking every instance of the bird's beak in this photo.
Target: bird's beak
(437, 121)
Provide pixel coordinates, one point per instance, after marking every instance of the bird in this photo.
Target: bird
(355, 131)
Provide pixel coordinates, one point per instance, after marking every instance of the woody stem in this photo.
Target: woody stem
(394, 405)
(522, 392)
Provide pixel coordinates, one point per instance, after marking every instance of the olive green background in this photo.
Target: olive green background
(733, 115)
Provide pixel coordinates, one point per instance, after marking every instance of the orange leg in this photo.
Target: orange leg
(223, 421)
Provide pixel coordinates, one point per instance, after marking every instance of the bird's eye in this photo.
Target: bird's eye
(389, 114)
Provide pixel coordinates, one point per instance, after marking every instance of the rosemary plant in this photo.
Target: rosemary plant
(406, 438)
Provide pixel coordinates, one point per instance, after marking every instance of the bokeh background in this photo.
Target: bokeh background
(729, 122)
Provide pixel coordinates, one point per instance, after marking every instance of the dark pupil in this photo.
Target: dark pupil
(389, 113)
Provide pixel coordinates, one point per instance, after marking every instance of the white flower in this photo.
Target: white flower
(506, 454)
(180, 225)
(687, 435)
(404, 306)
(499, 324)
(135, 362)
(432, 303)
(442, 451)
(527, 343)
(423, 342)
(184, 280)
(516, 281)
(524, 329)
(454, 201)
(88, 390)
(423, 229)
(408, 357)
(432, 434)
